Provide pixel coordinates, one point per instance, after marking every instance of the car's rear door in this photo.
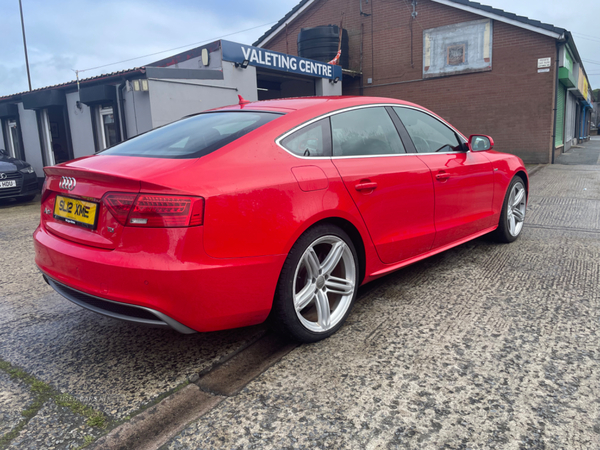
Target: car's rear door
(463, 180)
(392, 189)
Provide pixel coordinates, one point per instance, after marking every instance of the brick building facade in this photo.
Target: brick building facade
(513, 100)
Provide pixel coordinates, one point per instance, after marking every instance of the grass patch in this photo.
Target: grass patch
(87, 440)
(8, 437)
(95, 418)
(42, 393)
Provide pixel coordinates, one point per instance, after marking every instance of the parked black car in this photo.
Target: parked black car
(17, 178)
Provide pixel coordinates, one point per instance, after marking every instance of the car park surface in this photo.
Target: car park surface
(482, 346)
(278, 208)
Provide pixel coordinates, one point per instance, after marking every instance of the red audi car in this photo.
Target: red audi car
(276, 209)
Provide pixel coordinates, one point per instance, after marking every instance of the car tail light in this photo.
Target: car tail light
(119, 205)
(153, 210)
(45, 191)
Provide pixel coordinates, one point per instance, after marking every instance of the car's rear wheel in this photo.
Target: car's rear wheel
(317, 285)
(512, 216)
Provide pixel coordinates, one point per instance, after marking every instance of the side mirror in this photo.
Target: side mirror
(3, 152)
(480, 142)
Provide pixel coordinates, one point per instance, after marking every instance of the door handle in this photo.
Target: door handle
(369, 186)
(442, 176)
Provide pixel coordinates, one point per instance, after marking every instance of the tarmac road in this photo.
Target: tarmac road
(483, 346)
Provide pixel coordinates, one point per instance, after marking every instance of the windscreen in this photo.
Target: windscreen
(193, 137)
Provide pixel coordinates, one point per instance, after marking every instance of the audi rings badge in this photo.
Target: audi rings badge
(67, 183)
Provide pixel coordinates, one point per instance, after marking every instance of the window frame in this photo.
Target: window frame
(327, 146)
(12, 148)
(404, 147)
(104, 111)
(408, 145)
(9, 144)
(259, 111)
(461, 139)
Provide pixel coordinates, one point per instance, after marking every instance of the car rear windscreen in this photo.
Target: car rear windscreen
(194, 136)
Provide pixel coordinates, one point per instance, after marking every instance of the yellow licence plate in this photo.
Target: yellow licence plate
(76, 212)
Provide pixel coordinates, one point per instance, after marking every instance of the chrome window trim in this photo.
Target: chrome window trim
(351, 108)
(460, 135)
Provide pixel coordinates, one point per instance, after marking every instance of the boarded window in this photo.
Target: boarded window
(458, 48)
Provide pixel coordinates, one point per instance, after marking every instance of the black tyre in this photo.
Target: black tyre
(317, 286)
(512, 216)
(26, 199)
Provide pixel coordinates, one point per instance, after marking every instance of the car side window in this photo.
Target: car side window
(312, 140)
(365, 131)
(427, 133)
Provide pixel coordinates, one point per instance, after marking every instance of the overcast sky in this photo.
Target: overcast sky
(80, 34)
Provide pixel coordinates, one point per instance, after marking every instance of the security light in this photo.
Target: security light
(243, 64)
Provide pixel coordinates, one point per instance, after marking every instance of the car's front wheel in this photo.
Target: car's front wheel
(512, 217)
(317, 285)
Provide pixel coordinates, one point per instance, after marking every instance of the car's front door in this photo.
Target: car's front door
(463, 180)
(392, 189)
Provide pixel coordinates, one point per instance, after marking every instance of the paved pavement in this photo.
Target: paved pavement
(483, 346)
(587, 153)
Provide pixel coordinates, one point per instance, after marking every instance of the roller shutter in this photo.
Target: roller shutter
(560, 116)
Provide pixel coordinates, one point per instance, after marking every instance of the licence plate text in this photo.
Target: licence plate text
(8, 183)
(76, 212)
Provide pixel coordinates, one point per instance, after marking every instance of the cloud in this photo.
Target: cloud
(84, 34)
(81, 34)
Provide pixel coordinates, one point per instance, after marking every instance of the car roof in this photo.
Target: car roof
(286, 105)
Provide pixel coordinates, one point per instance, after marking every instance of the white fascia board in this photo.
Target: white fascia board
(499, 18)
(282, 26)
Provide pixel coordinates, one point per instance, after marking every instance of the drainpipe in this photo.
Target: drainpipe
(555, 102)
(122, 105)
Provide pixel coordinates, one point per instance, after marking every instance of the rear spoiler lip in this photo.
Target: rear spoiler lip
(121, 183)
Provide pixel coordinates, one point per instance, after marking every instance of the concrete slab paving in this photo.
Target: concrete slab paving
(55, 428)
(483, 346)
(111, 366)
(584, 153)
(14, 398)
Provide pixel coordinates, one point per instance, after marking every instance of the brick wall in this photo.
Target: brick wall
(513, 103)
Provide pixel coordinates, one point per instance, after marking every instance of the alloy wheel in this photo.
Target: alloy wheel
(515, 214)
(324, 283)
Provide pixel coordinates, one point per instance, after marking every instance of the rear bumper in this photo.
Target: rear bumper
(176, 285)
(117, 310)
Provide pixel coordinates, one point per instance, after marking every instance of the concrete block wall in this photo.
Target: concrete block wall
(513, 103)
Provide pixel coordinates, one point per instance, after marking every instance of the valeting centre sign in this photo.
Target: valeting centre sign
(259, 57)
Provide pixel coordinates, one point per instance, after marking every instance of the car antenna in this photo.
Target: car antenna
(243, 101)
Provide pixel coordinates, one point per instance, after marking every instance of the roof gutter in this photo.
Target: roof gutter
(499, 18)
(73, 84)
